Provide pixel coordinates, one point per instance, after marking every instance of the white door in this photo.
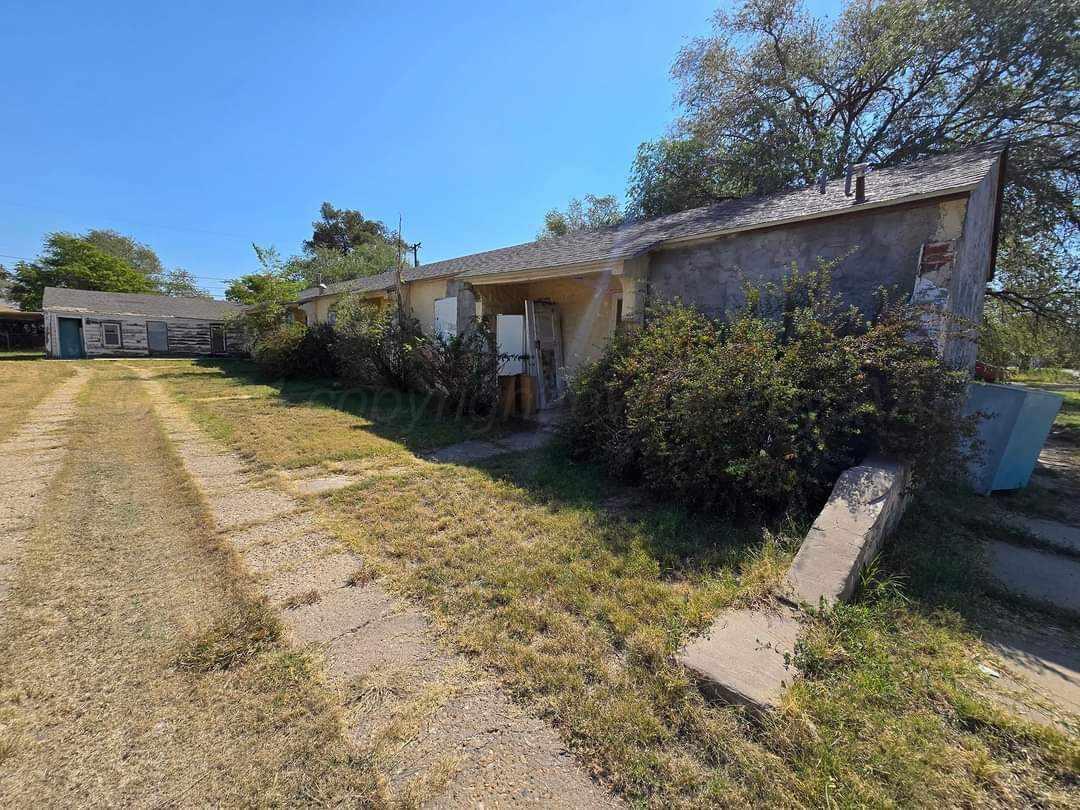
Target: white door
(446, 317)
(546, 351)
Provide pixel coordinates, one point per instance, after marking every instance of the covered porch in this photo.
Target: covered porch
(558, 319)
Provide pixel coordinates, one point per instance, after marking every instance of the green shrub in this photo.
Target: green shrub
(296, 350)
(765, 412)
(378, 345)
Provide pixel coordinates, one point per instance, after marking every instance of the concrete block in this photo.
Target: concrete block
(744, 658)
(865, 505)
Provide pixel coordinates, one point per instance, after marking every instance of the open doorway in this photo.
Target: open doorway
(543, 328)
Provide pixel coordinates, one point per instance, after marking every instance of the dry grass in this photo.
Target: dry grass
(296, 423)
(23, 384)
(576, 597)
(135, 668)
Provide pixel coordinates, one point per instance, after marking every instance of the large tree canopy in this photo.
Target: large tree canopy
(344, 230)
(71, 261)
(774, 95)
(138, 256)
(343, 245)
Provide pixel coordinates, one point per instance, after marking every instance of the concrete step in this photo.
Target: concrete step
(1059, 535)
(1041, 576)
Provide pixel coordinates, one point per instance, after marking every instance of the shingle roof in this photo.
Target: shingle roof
(93, 302)
(383, 281)
(936, 176)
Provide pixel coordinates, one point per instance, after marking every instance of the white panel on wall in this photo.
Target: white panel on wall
(510, 339)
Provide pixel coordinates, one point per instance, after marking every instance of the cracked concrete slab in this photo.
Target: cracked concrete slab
(324, 573)
(1041, 576)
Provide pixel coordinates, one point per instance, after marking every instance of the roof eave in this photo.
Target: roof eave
(854, 208)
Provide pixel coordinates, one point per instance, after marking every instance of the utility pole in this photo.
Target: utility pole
(400, 244)
(414, 247)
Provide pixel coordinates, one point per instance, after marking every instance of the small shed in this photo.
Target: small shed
(90, 323)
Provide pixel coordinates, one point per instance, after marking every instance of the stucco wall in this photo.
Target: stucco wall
(971, 270)
(318, 309)
(881, 249)
(421, 297)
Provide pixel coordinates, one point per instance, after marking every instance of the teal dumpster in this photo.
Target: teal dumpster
(1016, 422)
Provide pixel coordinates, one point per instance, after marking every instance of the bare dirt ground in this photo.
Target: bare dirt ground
(443, 734)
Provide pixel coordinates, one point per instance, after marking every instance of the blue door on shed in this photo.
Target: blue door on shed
(71, 342)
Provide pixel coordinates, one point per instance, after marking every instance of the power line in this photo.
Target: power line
(199, 276)
(141, 224)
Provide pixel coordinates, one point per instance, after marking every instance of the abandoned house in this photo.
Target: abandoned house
(926, 232)
(88, 323)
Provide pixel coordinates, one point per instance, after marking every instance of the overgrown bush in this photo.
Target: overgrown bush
(384, 346)
(463, 370)
(762, 411)
(295, 350)
(378, 345)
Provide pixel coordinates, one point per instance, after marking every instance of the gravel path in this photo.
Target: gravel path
(444, 734)
(32, 458)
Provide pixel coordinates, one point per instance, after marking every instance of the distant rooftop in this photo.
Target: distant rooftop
(92, 302)
(382, 281)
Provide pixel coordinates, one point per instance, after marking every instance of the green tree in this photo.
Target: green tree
(179, 282)
(136, 255)
(344, 244)
(589, 214)
(344, 229)
(71, 261)
(325, 266)
(274, 284)
(774, 95)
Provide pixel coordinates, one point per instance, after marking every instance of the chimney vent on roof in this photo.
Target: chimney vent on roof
(322, 287)
(859, 172)
(822, 179)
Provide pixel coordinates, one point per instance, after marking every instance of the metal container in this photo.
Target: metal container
(1016, 424)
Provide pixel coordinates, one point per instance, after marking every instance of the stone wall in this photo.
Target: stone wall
(877, 247)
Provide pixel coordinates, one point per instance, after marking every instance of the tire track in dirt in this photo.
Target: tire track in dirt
(442, 733)
(32, 458)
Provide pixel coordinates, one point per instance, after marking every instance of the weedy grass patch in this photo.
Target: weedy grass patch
(577, 591)
(122, 573)
(25, 384)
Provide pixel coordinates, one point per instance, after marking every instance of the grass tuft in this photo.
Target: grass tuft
(298, 600)
(363, 575)
(232, 640)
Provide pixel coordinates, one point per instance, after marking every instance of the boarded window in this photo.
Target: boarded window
(446, 317)
(110, 335)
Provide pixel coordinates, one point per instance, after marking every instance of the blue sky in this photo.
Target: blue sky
(200, 128)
